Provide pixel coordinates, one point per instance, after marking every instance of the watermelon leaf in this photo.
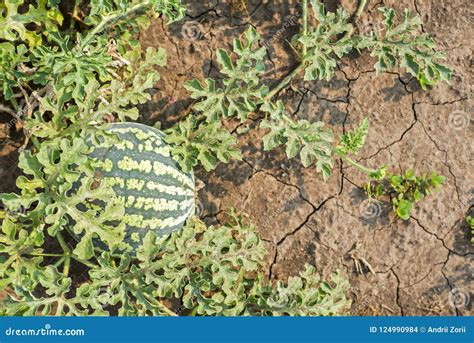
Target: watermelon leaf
(329, 40)
(404, 44)
(240, 92)
(15, 24)
(205, 143)
(310, 140)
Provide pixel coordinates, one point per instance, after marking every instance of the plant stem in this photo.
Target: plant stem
(85, 262)
(194, 312)
(35, 141)
(162, 306)
(58, 262)
(167, 310)
(67, 265)
(305, 24)
(67, 253)
(46, 255)
(285, 81)
(359, 166)
(361, 8)
(111, 18)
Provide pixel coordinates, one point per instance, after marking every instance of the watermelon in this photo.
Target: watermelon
(157, 195)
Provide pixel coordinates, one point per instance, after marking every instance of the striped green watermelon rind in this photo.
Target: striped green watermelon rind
(157, 195)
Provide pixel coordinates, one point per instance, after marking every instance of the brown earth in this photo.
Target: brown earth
(423, 266)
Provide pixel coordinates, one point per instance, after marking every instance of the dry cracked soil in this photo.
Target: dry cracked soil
(423, 266)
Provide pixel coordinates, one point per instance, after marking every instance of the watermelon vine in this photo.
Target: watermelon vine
(98, 223)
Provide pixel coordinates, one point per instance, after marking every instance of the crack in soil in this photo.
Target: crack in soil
(439, 239)
(450, 102)
(398, 292)
(315, 209)
(404, 133)
(451, 287)
(419, 13)
(212, 9)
